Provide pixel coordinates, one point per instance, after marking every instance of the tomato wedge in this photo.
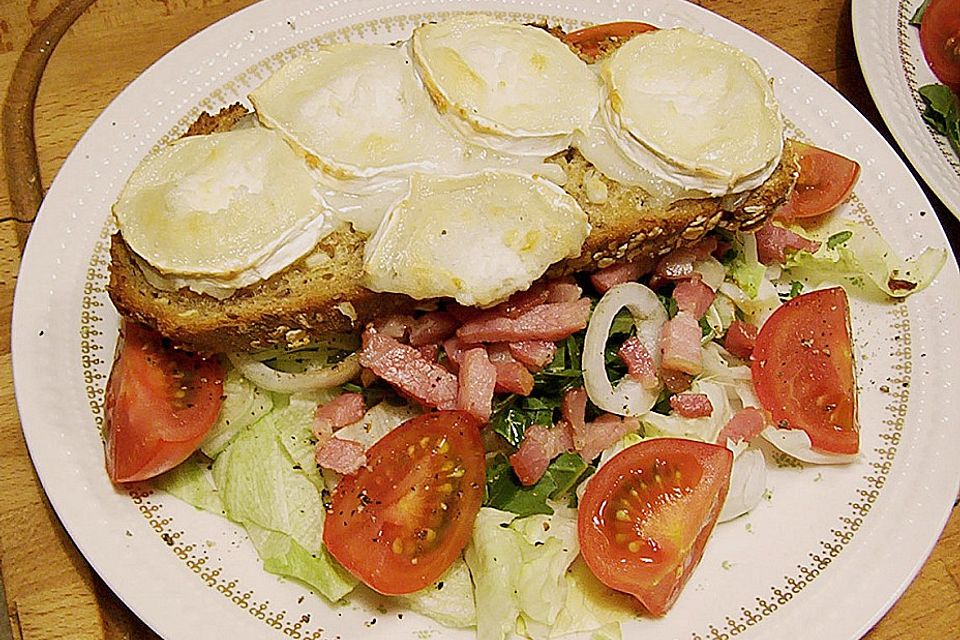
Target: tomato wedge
(803, 370)
(160, 403)
(940, 40)
(401, 521)
(826, 180)
(590, 40)
(646, 515)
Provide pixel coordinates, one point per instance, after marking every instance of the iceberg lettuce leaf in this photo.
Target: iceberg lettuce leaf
(243, 404)
(191, 482)
(449, 601)
(263, 488)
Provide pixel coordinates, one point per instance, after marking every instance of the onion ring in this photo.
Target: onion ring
(629, 397)
(270, 379)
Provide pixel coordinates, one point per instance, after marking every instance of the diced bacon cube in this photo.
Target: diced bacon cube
(639, 361)
(740, 339)
(773, 242)
(408, 371)
(454, 350)
(521, 302)
(345, 409)
(540, 445)
(692, 405)
(605, 279)
(429, 351)
(573, 408)
(676, 265)
(535, 354)
(394, 326)
(591, 438)
(342, 456)
(745, 425)
(603, 433)
(680, 344)
(551, 321)
(478, 378)
(432, 328)
(512, 376)
(693, 296)
(675, 381)
(705, 247)
(563, 290)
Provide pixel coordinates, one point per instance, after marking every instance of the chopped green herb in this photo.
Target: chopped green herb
(838, 239)
(918, 15)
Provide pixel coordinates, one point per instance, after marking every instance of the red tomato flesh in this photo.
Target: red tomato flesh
(826, 181)
(589, 40)
(646, 515)
(401, 521)
(940, 40)
(160, 403)
(803, 370)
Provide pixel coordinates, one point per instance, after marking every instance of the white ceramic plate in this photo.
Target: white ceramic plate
(827, 554)
(894, 67)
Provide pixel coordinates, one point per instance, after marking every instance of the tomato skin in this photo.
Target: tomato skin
(644, 535)
(826, 181)
(400, 521)
(160, 403)
(589, 40)
(802, 370)
(940, 41)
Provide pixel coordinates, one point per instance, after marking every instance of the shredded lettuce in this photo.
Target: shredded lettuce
(244, 403)
(449, 601)
(190, 481)
(862, 258)
(265, 489)
(591, 606)
(518, 567)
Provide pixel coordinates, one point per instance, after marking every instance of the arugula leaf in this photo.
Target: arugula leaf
(504, 491)
(512, 418)
(918, 16)
(796, 287)
(942, 112)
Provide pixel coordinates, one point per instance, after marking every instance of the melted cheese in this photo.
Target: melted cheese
(476, 238)
(228, 208)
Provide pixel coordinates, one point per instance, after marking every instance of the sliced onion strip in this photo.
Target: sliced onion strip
(748, 483)
(629, 398)
(270, 379)
(796, 443)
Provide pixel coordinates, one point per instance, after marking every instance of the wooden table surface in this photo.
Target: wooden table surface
(51, 592)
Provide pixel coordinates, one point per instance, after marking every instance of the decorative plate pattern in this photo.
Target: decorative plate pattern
(894, 68)
(827, 552)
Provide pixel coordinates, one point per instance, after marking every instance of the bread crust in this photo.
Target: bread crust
(323, 291)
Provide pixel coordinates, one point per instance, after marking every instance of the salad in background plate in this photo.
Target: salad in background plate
(939, 24)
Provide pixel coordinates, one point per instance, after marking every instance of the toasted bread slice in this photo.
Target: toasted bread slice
(323, 291)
